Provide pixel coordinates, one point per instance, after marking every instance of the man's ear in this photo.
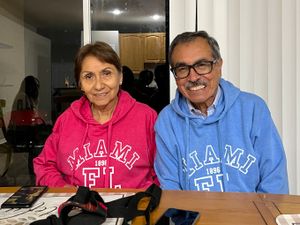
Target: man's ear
(220, 62)
(219, 66)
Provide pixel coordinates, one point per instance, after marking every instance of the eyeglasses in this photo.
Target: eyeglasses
(201, 67)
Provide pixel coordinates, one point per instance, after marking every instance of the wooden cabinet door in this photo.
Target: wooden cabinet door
(132, 51)
(153, 46)
(139, 48)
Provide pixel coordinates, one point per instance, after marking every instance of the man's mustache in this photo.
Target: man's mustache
(191, 84)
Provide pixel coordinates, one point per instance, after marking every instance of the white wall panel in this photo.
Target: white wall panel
(177, 26)
(289, 84)
(233, 42)
(246, 45)
(297, 147)
(220, 29)
(205, 15)
(190, 9)
(260, 48)
(274, 28)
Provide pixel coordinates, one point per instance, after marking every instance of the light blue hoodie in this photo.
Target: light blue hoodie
(237, 149)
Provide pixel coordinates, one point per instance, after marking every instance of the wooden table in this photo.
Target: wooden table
(231, 208)
(217, 207)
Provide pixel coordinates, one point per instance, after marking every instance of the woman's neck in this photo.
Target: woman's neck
(102, 115)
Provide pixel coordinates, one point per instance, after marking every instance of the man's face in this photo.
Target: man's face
(200, 90)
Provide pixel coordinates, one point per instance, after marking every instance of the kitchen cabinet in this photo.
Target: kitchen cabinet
(136, 49)
(132, 51)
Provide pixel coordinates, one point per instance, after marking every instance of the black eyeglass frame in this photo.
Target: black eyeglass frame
(193, 66)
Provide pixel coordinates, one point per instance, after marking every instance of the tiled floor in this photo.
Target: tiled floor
(18, 173)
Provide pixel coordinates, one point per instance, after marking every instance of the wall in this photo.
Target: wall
(38, 63)
(29, 54)
(12, 61)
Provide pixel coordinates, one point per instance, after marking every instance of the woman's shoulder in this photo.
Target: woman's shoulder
(65, 116)
(144, 108)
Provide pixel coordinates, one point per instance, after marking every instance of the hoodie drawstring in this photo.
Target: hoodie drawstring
(223, 166)
(107, 179)
(187, 138)
(81, 145)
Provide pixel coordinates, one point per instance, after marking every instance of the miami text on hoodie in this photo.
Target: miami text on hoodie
(237, 149)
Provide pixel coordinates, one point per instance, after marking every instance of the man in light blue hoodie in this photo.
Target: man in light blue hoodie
(213, 136)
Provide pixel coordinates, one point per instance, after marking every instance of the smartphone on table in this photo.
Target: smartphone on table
(24, 197)
(173, 216)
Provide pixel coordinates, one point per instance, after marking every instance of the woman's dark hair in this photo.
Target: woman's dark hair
(146, 77)
(128, 78)
(102, 51)
(31, 86)
(191, 36)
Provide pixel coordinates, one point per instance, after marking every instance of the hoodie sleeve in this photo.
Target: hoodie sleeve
(45, 165)
(269, 147)
(166, 162)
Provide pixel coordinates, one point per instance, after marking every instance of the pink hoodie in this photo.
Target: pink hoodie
(117, 154)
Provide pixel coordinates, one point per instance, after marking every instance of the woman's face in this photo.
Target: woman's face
(100, 81)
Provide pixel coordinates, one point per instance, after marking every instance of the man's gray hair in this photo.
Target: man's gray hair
(191, 36)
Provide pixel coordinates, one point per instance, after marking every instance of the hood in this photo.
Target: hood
(230, 94)
(82, 110)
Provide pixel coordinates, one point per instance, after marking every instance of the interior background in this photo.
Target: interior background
(259, 40)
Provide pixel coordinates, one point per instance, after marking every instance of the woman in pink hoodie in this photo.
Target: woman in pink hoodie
(106, 138)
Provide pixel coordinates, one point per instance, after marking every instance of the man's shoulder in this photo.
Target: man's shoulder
(251, 97)
(167, 115)
(166, 111)
(232, 90)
